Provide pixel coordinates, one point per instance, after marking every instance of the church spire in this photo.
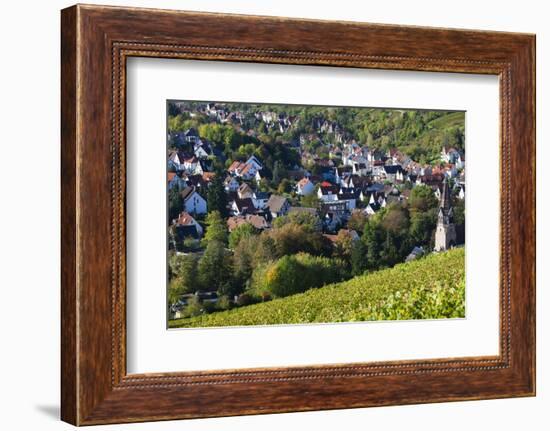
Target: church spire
(445, 200)
(445, 234)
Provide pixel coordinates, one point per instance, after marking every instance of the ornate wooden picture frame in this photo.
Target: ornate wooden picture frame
(96, 41)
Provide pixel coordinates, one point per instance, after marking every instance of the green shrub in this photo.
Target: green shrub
(295, 274)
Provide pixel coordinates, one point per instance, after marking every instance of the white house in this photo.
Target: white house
(176, 159)
(328, 193)
(378, 172)
(193, 203)
(350, 198)
(360, 167)
(248, 171)
(245, 191)
(393, 173)
(190, 164)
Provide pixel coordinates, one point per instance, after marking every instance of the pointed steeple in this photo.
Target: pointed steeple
(445, 234)
(445, 200)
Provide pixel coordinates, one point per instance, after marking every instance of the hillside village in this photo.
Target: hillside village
(238, 171)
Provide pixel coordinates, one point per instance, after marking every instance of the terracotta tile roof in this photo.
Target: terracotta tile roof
(257, 221)
(185, 219)
(247, 167)
(208, 176)
(234, 222)
(234, 166)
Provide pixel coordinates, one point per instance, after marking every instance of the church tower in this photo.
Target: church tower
(445, 233)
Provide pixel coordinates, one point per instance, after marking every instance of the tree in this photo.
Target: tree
(223, 303)
(459, 220)
(216, 230)
(174, 291)
(422, 198)
(359, 260)
(389, 253)
(194, 307)
(295, 274)
(421, 228)
(284, 277)
(216, 197)
(173, 109)
(357, 221)
(343, 246)
(212, 266)
(185, 273)
(212, 132)
(277, 174)
(245, 230)
(292, 238)
(285, 186)
(310, 221)
(396, 219)
(172, 238)
(310, 201)
(175, 203)
(372, 239)
(243, 261)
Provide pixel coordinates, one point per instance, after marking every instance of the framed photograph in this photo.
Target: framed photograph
(267, 215)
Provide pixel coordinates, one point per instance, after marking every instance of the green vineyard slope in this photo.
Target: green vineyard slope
(429, 288)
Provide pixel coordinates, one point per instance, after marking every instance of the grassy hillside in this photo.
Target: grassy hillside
(452, 119)
(429, 288)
